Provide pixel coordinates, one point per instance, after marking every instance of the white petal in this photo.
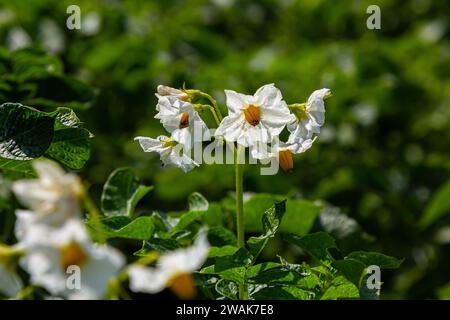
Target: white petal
(301, 146)
(49, 172)
(168, 91)
(103, 264)
(254, 134)
(276, 118)
(316, 106)
(183, 137)
(268, 96)
(150, 144)
(186, 260)
(148, 280)
(180, 160)
(199, 129)
(237, 101)
(43, 265)
(232, 127)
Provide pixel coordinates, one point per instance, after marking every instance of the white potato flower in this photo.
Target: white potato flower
(10, 282)
(173, 270)
(171, 153)
(282, 152)
(51, 253)
(53, 197)
(181, 120)
(254, 118)
(309, 117)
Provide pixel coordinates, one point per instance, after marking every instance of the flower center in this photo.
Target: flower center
(300, 113)
(252, 114)
(72, 254)
(183, 285)
(169, 143)
(184, 121)
(285, 160)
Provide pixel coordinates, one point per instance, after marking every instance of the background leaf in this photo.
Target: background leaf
(122, 192)
(25, 133)
(141, 228)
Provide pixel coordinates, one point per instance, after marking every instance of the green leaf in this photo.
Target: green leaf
(316, 245)
(186, 219)
(214, 216)
(220, 236)
(25, 133)
(66, 117)
(227, 289)
(13, 169)
(215, 252)
(298, 218)
(341, 288)
(271, 221)
(438, 206)
(157, 244)
(71, 147)
(287, 277)
(233, 267)
(352, 269)
(364, 291)
(255, 270)
(141, 228)
(197, 202)
(375, 258)
(122, 192)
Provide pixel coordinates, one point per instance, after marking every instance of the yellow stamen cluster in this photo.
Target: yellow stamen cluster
(72, 254)
(285, 160)
(183, 285)
(252, 114)
(184, 121)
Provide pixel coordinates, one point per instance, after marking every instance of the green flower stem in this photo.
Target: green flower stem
(94, 214)
(200, 107)
(214, 105)
(239, 170)
(25, 293)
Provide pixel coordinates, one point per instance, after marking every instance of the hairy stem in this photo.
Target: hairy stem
(239, 170)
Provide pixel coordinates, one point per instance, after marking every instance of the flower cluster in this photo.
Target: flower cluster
(52, 238)
(253, 121)
(179, 118)
(53, 243)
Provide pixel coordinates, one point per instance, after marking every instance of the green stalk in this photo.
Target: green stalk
(239, 170)
(214, 104)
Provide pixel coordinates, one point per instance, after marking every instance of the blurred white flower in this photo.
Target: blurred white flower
(181, 120)
(171, 153)
(309, 118)
(10, 283)
(52, 198)
(17, 38)
(50, 253)
(51, 37)
(90, 24)
(173, 270)
(254, 119)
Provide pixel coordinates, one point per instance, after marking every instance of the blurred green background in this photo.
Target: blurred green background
(383, 152)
